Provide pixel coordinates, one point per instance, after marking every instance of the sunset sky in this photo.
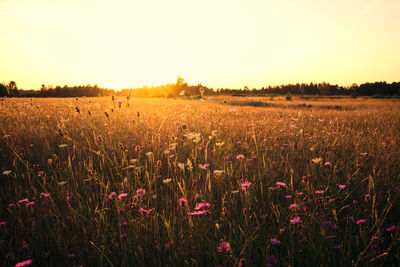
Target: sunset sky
(219, 43)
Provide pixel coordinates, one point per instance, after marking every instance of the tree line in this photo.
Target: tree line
(183, 89)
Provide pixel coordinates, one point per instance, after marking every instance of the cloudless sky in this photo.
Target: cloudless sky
(219, 43)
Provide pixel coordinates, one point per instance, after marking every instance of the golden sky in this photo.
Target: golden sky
(219, 43)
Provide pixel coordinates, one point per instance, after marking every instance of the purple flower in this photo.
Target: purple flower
(391, 229)
(272, 260)
(275, 241)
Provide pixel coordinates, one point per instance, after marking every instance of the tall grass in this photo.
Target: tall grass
(284, 186)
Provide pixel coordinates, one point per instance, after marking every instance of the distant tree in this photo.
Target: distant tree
(3, 90)
(12, 88)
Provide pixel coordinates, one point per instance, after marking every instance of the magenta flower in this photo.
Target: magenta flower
(280, 184)
(41, 173)
(35, 165)
(391, 229)
(122, 195)
(272, 260)
(71, 255)
(123, 224)
(182, 202)
(294, 206)
(288, 196)
(202, 205)
(145, 212)
(224, 247)
(199, 213)
(275, 241)
(367, 197)
(169, 244)
(29, 204)
(360, 221)
(99, 138)
(23, 263)
(342, 186)
(25, 200)
(123, 235)
(45, 195)
(3, 223)
(295, 220)
(11, 205)
(240, 156)
(245, 185)
(319, 192)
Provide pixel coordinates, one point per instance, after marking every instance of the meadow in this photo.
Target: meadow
(179, 182)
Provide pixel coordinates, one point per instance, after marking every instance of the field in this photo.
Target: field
(225, 181)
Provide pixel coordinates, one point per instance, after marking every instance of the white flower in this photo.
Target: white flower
(149, 154)
(62, 145)
(219, 144)
(166, 181)
(62, 183)
(218, 172)
(317, 160)
(6, 172)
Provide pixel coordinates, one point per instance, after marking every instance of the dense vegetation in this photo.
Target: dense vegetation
(157, 182)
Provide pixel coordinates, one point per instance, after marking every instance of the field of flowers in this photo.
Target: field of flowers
(156, 182)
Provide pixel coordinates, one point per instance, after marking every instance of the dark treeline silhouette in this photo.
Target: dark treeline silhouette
(182, 88)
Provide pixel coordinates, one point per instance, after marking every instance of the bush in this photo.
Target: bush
(288, 96)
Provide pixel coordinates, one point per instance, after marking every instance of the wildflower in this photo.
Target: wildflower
(294, 206)
(30, 203)
(182, 202)
(199, 213)
(123, 224)
(40, 173)
(391, 229)
(272, 260)
(25, 200)
(288, 196)
(245, 185)
(240, 156)
(119, 103)
(140, 192)
(316, 160)
(304, 177)
(342, 186)
(205, 166)
(6, 172)
(275, 241)
(122, 196)
(337, 247)
(224, 247)
(328, 164)
(280, 184)
(23, 263)
(169, 244)
(145, 212)
(295, 220)
(123, 235)
(62, 145)
(45, 195)
(367, 197)
(71, 255)
(202, 205)
(360, 221)
(3, 223)
(35, 165)
(319, 192)
(99, 138)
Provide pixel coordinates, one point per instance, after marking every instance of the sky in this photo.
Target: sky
(218, 43)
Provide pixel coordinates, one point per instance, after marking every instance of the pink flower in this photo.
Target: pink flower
(113, 194)
(205, 166)
(367, 197)
(140, 192)
(272, 260)
(182, 202)
(23, 263)
(145, 212)
(169, 244)
(342, 186)
(328, 164)
(123, 235)
(294, 206)
(319, 192)
(122, 196)
(45, 195)
(99, 138)
(360, 221)
(245, 185)
(199, 213)
(28, 204)
(202, 205)
(280, 184)
(71, 255)
(240, 156)
(295, 220)
(275, 241)
(40, 173)
(224, 247)
(123, 224)
(3, 223)
(11, 205)
(288, 196)
(25, 200)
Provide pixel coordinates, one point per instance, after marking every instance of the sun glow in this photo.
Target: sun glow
(124, 44)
